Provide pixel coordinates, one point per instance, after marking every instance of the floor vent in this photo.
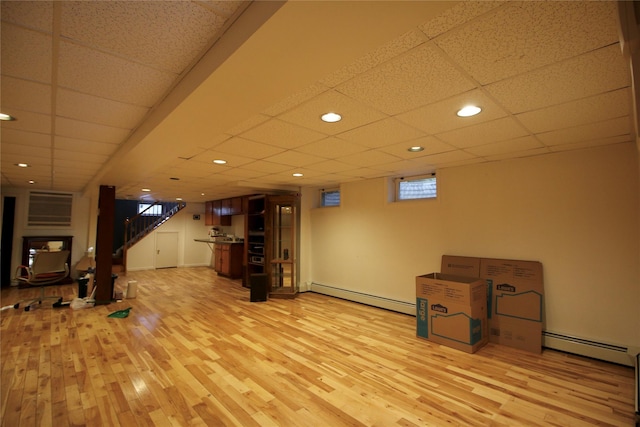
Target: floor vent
(376, 301)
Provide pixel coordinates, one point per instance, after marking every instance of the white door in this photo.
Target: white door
(167, 249)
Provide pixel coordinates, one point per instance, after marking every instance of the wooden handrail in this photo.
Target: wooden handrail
(143, 223)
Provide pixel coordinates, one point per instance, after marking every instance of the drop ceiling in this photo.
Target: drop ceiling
(147, 94)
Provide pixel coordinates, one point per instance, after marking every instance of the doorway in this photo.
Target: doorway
(167, 249)
(6, 244)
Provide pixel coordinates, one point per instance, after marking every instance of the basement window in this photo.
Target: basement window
(147, 209)
(47, 209)
(416, 187)
(330, 197)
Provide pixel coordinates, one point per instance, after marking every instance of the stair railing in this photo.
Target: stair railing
(143, 223)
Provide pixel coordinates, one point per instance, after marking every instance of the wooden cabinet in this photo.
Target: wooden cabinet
(254, 237)
(282, 219)
(213, 214)
(236, 206)
(271, 233)
(228, 259)
(219, 212)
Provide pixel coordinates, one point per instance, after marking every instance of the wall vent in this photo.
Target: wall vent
(48, 209)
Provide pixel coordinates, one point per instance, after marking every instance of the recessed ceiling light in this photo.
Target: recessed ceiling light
(219, 162)
(22, 165)
(202, 194)
(415, 149)
(468, 111)
(31, 181)
(6, 117)
(297, 174)
(146, 190)
(178, 198)
(331, 117)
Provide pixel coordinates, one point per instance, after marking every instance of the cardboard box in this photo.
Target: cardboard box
(515, 297)
(452, 311)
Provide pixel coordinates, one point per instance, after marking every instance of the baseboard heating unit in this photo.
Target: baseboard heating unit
(596, 350)
(361, 297)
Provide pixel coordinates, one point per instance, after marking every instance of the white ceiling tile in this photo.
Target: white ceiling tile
(421, 76)
(90, 131)
(441, 116)
(223, 8)
(240, 173)
(266, 167)
(252, 122)
(591, 131)
(593, 109)
(296, 99)
(384, 53)
(85, 166)
(84, 146)
(457, 15)
(519, 154)
(30, 139)
(431, 145)
(330, 166)
(97, 73)
(28, 121)
(483, 133)
(353, 113)
(246, 148)
(444, 158)
(622, 139)
(25, 95)
(37, 15)
(381, 133)
(364, 173)
(331, 148)
(369, 158)
(293, 158)
(207, 158)
(89, 108)
(504, 147)
(282, 134)
(602, 70)
(110, 26)
(538, 33)
(79, 156)
(25, 54)
(24, 153)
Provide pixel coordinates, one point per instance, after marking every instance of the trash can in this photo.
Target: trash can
(82, 286)
(258, 287)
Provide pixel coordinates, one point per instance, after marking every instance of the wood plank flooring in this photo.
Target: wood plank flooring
(195, 352)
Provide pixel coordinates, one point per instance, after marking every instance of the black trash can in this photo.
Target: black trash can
(258, 283)
(82, 286)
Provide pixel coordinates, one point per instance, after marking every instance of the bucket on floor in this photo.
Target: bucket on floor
(132, 289)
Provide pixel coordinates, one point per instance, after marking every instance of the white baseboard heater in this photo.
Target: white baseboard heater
(373, 300)
(602, 351)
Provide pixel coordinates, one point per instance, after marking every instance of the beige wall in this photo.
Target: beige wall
(190, 253)
(576, 212)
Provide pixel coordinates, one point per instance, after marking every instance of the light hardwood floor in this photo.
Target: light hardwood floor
(195, 352)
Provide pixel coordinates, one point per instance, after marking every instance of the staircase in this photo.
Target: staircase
(144, 223)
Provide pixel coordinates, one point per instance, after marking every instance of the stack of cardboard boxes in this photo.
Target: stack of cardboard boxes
(452, 312)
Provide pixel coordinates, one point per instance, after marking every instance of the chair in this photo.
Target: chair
(47, 268)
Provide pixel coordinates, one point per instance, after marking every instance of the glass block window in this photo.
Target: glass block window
(330, 198)
(418, 187)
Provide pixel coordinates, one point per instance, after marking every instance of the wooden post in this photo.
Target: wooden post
(104, 244)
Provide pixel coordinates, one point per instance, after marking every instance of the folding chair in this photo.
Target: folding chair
(47, 268)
